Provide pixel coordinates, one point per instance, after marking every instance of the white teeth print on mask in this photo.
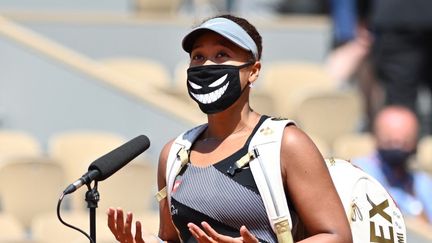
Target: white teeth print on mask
(194, 85)
(215, 87)
(211, 97)
(219, 81)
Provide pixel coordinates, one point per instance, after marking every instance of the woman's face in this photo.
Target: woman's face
(219, 86)
(211, 48)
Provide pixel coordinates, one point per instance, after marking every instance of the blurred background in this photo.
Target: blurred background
(79, 78)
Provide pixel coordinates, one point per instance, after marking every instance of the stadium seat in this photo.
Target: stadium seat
(131, 188)
(15, 143)
(151, 7)
(11, 230)
(47, 228)
(328, 114)
(179, 88)
(353, 145)
(424, 153)
(263, 102)
(30, 186)
(283, 80)
(149, 221)
(142, 72)
(75, 150)
(322, 145)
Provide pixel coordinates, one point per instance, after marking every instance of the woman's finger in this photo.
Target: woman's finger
(247, 235)
(198, 233)
(128, 225)
(119, 221)
(212, 233)
(219, 237)
(138, 232)
(194, 231)
(111, 220)
(195, 235)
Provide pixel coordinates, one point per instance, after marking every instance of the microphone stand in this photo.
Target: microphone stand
(92, 199)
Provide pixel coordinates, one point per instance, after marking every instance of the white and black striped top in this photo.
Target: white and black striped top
(226, 202)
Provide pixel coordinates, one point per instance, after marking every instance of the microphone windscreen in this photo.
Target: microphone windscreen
(119, 157)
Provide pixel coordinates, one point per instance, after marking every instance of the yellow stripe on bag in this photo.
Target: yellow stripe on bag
(283, 231)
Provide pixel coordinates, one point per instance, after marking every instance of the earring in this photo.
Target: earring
(251, 85)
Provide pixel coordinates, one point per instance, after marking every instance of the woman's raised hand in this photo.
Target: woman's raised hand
(122, 230)
(210, 235)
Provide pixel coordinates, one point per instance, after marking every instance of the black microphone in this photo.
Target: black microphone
(111, 162)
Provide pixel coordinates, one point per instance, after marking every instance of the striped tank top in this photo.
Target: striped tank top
(224, 201)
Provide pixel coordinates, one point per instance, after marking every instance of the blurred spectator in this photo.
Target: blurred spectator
(301, 7)
(344, 19)
(395, 131)
(349, 59)
(402, 50)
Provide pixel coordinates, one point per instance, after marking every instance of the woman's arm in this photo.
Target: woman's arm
(121, 224)
(308, 183)
(167, 231)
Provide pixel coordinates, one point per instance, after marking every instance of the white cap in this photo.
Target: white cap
(225, 27)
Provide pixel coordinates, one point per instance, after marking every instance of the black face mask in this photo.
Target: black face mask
(215, 87)
(394, 157)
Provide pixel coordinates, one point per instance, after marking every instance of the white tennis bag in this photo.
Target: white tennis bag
(371, 211)
(373, 215)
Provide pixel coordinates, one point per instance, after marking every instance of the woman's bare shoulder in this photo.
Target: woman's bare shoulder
(298, 152)
(163, 157)
(295, 140)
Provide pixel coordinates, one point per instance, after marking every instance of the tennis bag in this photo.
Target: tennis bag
(372, 213)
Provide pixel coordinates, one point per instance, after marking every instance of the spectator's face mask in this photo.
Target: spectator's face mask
(394, 157)
(215, 87)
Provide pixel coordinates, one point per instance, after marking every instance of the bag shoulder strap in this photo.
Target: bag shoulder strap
(178, 156)
(266, 170)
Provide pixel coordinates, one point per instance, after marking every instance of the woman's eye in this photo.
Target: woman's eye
(197, 57)
(222, 54)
